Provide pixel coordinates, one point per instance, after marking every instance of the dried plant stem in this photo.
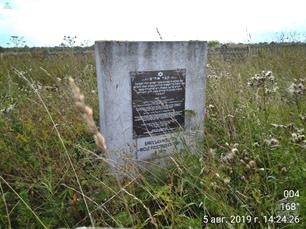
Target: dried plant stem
(25, 203)
(144, 206)
(101, 207)
(122, 188)
(6, 208)
(87, 114)
(20, 74)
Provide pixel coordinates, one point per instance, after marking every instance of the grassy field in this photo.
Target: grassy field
(52, 174)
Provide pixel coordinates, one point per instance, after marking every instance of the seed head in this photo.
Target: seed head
(87, 114)
(273, 142)
(252, 164)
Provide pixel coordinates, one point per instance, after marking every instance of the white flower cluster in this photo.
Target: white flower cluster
(297, 135)
(230, 157)
(303, 117)
(266, 80)
(8, 109)
(297, 87)
(260, 79)
(290, 126)
(297, 138)
(272, 142)
(9, 105)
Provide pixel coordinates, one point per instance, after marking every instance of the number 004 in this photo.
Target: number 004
(291, 193)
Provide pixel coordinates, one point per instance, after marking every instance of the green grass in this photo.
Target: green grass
(39, 188)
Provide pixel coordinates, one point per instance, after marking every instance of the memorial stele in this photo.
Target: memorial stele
(151, 96)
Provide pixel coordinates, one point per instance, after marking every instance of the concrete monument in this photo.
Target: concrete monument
(151, 96)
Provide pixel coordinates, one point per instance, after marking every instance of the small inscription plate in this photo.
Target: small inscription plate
(158, 102)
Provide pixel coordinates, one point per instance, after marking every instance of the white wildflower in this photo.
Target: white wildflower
(273, 142)
(277, 126)
(297, 137)
(211, 106)
(297, 87)
(303, 117)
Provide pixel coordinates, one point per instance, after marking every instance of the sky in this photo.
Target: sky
(46, 22)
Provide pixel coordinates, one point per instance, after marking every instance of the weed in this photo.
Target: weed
(53, 175)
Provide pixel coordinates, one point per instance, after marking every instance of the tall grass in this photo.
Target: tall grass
(253, 149)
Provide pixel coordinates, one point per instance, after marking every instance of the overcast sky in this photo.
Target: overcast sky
(46, 22)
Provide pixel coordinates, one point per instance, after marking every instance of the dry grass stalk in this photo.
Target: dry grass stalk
(24, 202)
(21, 75)
(87, 114)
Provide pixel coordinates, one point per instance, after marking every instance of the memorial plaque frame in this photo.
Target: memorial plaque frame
(158, 102)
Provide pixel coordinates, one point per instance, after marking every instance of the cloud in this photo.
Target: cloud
(46, 22)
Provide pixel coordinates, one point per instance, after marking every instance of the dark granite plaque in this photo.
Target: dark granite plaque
(158, 101)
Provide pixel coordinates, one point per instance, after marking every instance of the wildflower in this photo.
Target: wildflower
(38, 85)
(212, 77)
(267, 74)
(234, 150)
(291, 126)
(264, 80)
(242, 161)
(297, 87)
(226, 180)
(269, 91)
(277, 126)
(214, 186)
(8, 109)
(228, 158)
(275, 89)
(271, 78)
(291, 88)
(273, 142)
(255, 144)
(252, 164)
(250, 84)
(50, 88)
(284, 170)
(212, 152)
(242, 178)
(257, 80)
(211, 106)
(300, 131)
(297, 137)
